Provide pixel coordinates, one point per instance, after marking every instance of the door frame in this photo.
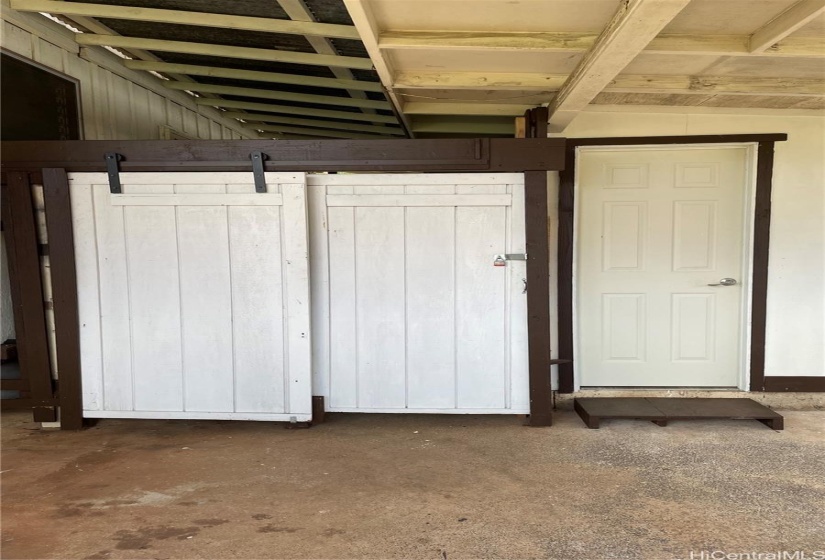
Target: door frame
(746, 265)
(758, 219)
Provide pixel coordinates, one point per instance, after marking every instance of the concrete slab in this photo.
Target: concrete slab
(381, 486)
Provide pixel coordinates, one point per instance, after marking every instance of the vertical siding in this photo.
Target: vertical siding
(113, 107)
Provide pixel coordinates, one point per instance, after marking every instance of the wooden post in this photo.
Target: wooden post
(64, 295)
(564, 258)
(30, 319)
(538, 280)
(761, 248)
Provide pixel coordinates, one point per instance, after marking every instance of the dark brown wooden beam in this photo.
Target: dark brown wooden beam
(687, 139)
(64, 295)
(453, 155)
(538, 281)
(761, 248)
(564, 270)
(27, 291)
(795, 384)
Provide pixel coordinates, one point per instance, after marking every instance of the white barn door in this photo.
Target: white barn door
(193, 296)
(411, 315)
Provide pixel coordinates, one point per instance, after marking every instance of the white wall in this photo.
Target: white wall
(116, 103)
(796, 280)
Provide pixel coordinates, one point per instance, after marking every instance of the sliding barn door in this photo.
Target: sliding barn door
(411, 312)
(194, 297)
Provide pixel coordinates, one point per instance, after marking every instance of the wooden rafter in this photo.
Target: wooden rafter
(251, 75)
(277, 95)
(364, 21)
(721, 45)
(786, 23)
(320, 113)
(624, 83)
(490, 109)
(334, 125)
(297, 10)
(224, 21)
(632, 28)
(246, 53)
(324, 133)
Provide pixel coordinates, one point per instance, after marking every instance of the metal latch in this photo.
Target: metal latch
(258, 159)
(501, 260)
(113, 171)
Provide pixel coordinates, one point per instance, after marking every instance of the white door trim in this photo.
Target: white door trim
(747, 245)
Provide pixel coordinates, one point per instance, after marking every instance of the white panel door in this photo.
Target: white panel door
(193, 296)
(655, 229)
(411, 315)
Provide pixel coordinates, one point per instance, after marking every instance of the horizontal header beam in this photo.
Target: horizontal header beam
(448, 155)
(224, 21)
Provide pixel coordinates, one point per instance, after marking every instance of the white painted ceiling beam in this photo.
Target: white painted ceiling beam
(632, 28)
(784, 24)
(251, 75)
(277, 95)
(491, 109)
(446, 126)
(364, 21)
(246, 53)
(286, 110)
(721, 45)
(279, 119)
(309, 131)
(243, 23)
(626, 83)
(297, 10)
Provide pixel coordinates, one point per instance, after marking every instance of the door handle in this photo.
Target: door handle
(725, 282)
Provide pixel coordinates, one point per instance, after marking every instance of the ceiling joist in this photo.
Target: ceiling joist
(632, 28)
(241, 23)
(721, 45)
(251, 75)
(334, 125)
(480, 109)
(308, 131)
(624, 83)
(786, 23)
(307, 111)
(297, 10)
(364, 21)
(204, 49)
(277, 95)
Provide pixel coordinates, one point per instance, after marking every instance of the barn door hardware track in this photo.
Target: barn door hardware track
(113, 170)
(258, 159)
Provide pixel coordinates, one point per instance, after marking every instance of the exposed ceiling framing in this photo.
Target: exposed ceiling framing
(241, 57)
(392, 68)
(479, 61)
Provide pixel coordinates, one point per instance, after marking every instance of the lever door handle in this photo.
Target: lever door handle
(725, 282)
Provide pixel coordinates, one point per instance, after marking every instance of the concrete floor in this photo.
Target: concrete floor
(380, 486)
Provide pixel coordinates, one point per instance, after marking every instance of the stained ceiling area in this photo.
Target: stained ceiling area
(246, 67)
